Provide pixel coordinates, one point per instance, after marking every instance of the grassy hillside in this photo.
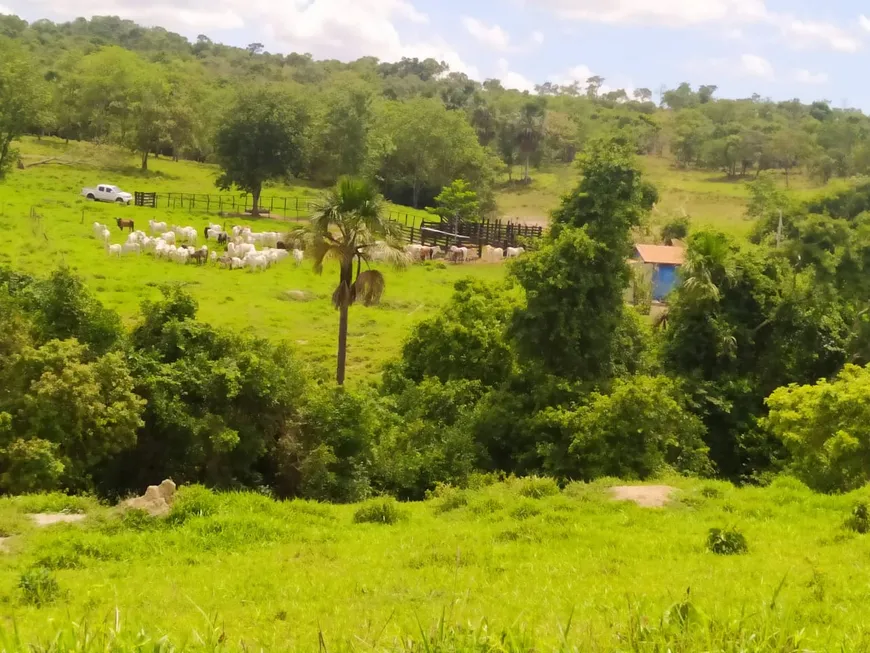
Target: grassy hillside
(46, 223)
(493, 569)
(708, 199)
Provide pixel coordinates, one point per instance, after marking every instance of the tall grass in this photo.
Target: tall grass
(497, 571)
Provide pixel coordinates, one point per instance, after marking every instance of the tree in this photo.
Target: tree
(530, 131)
(348, 225)
(593, 85)
(255, 48)
(427, 147)
(23, 100)
(68, 415)
(641, 428)
(262, 138)
(676, 229)
(705, 93)
(824, 427)
(643, 95)
(574, 324)
(457, 203)
(342, 130)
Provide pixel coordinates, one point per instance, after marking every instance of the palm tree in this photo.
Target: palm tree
(349, 224)
(709, 265)
(530, 132)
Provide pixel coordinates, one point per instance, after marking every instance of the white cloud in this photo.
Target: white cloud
(734, 34)
(755, 66)
(864, 22)
(340, 29)
(809, 34)
(797, 32)
(537, 37)
(5, 10)
(491, 36)
(673, 13)
(511, 79)
(577, 74)
(803, 76)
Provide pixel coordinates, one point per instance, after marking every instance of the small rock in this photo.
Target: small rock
(156, 501)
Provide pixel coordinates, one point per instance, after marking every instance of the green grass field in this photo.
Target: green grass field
(707, 198)
(61, 233)
(494, 569)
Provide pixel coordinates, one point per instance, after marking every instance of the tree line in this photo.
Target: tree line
(413, 125)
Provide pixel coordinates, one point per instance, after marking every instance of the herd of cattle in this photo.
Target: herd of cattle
(179, 245)
(238, 249)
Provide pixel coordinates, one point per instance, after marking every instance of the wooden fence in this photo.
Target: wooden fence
(495, 233)
(148, 200)
(283, 207)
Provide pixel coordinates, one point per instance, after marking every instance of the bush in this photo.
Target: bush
(640, 428)
(676, 229)
(379, 511)
(534, 487)
(448, 498)
(859, 519)
(824, 427)
(524, 510)
(38, 586)
(193, 501)
(726, 542)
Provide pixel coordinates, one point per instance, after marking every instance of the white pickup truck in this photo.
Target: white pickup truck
(107, 193)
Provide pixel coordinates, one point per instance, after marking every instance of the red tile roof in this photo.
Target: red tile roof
(661, 254)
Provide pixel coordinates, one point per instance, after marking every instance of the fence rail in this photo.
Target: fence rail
(416, 229)
(282, 207)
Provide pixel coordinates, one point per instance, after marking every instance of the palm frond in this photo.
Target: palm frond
(369, 287)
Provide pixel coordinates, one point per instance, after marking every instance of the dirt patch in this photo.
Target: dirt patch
(646, 496)
(156, 501)
(51, 518)
(3, 547)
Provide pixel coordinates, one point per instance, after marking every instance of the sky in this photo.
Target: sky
(780, 49)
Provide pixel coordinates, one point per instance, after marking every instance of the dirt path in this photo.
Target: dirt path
(646, 496)
(47, 519)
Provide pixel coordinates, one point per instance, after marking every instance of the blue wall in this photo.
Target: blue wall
(664, 279)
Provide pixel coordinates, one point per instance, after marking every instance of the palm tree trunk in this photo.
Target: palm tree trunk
(344, 306)
(342, 343)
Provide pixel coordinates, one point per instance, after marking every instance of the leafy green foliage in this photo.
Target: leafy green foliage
(260, 139)
(639, 429)
(726, 542)
(70, 415)
(465, 341)
(535, 487)
(457, 203)
(23, 100)
(676, 229)
(379, 511)
(823, 428)
(38, 587)
(859, 519)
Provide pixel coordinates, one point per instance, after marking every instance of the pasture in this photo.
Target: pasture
(707, 198)
(46, 223)
(514, 566)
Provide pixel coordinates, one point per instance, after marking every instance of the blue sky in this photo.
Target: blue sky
(806, 49)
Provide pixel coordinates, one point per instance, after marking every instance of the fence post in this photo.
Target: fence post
(285, 207)
(208, 203)
(412, 235)
(271, 204)
(297, 206)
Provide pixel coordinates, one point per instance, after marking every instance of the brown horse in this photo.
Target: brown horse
(125, 224)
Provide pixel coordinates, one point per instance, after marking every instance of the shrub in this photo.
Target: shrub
(640, 428)
(525, 510)
(726, 542)
(823, 426)
(379, 511)
(193, 501)
(859, 519)
(38, 586)
(676, 229)
(535, 487)
(448, 498)
(711, 492)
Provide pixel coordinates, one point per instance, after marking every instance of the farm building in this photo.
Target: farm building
(661, 263)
